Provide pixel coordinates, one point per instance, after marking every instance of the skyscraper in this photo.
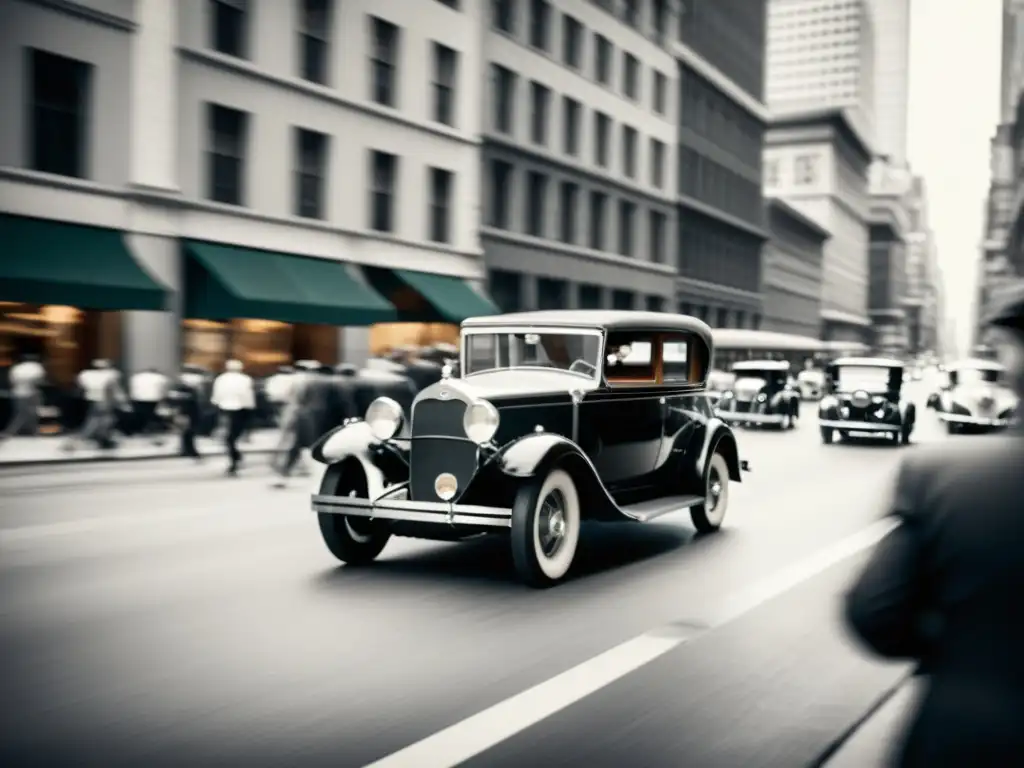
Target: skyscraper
(891, 22)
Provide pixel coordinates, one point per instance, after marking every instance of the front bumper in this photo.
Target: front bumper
(753, 418)
(979, 421)
(395, 505)
(858, 426)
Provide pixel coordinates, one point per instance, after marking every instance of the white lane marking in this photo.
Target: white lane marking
(466, 739)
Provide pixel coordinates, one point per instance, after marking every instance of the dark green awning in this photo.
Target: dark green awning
(225, 281)
(428, 297)
(52, 262)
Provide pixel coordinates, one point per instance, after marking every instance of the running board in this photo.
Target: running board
(645, 511)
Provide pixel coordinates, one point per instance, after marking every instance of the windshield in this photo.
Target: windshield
(867, 377)
(968, 376)
(575, 353)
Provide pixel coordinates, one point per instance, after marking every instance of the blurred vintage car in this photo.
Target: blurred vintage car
(761, 394)
(558, 417)
(811, 383)
(974, 398)
(719, 382)
(864, 395)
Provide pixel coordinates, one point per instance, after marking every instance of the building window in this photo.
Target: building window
(805, 169)
(603, 60)
(657, 164)
(441, 184)
(384, 62)
(631, 76)
(536, 208)
(568, 211)
(540, 99)
(629, 139)
(659, 20)
(602, 136)
(503, 15)
(771, 173)
(499, 215)
(384, 168)
(227, 129)
(310, 172)
(622, 299)
(229, 26)
(314, 37)
(446, 66)
(572, 41)
(627, 220)
(741, 318)
(571, 113)
(755, 321)
(598, 224)
(59, 114)
(631, 13)
(589, 296)
(540, 24)
(657, 225)
(504, 98)
(722, 316)
(551, 294)
(506, 288)
(654, 304)
(660, 92)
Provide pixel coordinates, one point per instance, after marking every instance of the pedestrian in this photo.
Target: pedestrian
(104, 399)
(26, 381)
(186, 398)
(148, 389)
(234, 395)
(294, 425)
(278, 391)
(945, 589)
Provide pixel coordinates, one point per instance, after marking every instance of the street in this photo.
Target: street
(156, 613)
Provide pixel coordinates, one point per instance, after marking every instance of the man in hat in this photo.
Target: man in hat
(945, 589)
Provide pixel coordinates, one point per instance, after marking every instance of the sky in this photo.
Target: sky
(953, 111)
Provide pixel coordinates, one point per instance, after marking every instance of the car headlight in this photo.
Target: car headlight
(860, 399)
(481, 422)
(828, 402)
(384, 417)
(762, 397)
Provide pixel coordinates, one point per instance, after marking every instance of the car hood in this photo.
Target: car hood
(747, 387)
(811, 377)
(983, 396)
(506, 384)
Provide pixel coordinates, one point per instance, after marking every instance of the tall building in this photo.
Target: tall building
(579, 154)
(822, 55)
(251, 179)
(720, 48)
(890, 190)
(924, 300)
(891, 24)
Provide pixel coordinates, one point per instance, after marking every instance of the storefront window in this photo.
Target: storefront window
(385, 337)
(65, 339)
(262, 345)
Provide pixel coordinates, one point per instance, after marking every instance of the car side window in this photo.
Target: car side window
(676, 364)
(629, 358)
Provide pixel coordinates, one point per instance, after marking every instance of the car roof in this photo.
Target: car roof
(602, 319)
(761, 365)
(977, 363)
(871, 362)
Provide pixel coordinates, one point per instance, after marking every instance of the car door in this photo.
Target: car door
(685, 413)
(621, 425)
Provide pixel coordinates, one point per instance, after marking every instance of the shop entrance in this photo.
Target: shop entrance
(262, 345)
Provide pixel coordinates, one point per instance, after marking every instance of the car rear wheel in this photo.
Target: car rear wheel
(708, 517)
(352, 539)
(546, 522)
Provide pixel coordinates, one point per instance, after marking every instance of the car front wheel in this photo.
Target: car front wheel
(546, 523)
(708, 517)
(352, 539)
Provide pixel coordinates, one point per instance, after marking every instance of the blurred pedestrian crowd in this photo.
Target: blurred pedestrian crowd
(300, 401)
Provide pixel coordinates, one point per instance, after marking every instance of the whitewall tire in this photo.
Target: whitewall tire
(708, 517)
(546, 522)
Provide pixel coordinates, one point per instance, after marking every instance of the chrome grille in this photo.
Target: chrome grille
(431, 456)
(440, 418)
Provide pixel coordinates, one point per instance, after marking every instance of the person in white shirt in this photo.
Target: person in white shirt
(101, 388)
(278, 389)
(26, 381)
(147, 390)
(234, 394)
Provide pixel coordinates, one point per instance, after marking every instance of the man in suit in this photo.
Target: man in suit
(945, 589)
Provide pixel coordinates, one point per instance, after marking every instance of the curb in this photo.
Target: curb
(115, 459)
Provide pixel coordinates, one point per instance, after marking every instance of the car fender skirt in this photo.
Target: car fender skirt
(721, 438)
(533, 456)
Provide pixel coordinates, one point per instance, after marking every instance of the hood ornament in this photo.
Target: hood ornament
(446, 371)
(444, 394)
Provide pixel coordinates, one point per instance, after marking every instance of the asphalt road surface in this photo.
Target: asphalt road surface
(159, 614)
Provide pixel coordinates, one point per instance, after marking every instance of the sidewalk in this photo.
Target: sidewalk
(872, 744)
(29, 451)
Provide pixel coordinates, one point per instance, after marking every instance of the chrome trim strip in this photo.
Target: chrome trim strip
(979, 420)
(858, 426)
(414, 511)
(763, 418)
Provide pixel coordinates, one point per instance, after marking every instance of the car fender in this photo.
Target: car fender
(909, 414)
(718, 433)
(532, 455)
(354, 443)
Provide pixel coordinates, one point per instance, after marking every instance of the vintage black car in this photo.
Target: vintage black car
(975, 397)
(761, 394)
(558, 417)
(863, 395)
